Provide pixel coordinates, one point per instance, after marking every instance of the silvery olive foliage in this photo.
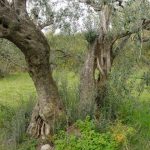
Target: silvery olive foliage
(10, 57)
(125, 15)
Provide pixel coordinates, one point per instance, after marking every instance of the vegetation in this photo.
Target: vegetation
(82, 85)
(85, 137)
(130, 130)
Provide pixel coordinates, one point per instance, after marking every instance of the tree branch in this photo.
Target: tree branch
(45, 24)
(4, 3)
(92, 4)
(117, 50)
(20, 8)
(64, 53)
(144, 25)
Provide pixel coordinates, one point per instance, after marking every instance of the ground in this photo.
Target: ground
(17, 96)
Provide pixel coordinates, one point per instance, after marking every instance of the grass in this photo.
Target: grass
(15, 87)
(15, 100)
(17, 95)
(141, 121)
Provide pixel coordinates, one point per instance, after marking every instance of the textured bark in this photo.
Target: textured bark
(93, 90)
(100, 58)
(104, 64)
(87, 85)
(16, 26)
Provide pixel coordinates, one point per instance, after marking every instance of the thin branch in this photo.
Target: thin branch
(45, 24)
(145, 25)
(144, 39)
(120, 47)
(65, 54)
(4, 3)
(92, 4)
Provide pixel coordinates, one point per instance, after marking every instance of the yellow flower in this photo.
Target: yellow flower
(120, 138)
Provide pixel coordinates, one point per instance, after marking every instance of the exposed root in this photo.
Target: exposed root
(43, 120)
(39, 128)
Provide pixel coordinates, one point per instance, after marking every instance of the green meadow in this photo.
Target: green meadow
(17, 96)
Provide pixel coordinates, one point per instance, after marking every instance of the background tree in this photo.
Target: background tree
(116, 25)
(11, 58)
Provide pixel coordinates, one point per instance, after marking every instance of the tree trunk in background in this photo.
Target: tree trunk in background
(87, 85)
(99, 58)
(94, 89)
(103, 64)
(25, 35)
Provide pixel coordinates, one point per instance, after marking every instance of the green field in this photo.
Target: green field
(15, 87)
(17, 92)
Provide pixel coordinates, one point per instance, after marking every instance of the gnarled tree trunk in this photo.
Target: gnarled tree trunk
(16, 26)
(99, 58)
(103, 64)
(87, 83)
(93, 89)
(102, 51)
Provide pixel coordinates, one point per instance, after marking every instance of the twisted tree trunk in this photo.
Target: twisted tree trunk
(98, 63)
(16, 26)
(87, 83)
(100, 59)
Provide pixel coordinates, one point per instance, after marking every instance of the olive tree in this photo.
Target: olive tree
(18, 26)
(109, 25)
(118, 21)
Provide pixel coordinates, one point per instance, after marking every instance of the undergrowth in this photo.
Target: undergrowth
(129, 129)
(85, 138)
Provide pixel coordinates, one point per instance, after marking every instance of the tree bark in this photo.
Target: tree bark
(99, 58)
(17, 27)
(104, 64)
(87, 83)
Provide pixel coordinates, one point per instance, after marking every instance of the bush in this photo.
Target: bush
(28, 144)
(122, 133)
(1, 73)
(90, 36)
(86, 139)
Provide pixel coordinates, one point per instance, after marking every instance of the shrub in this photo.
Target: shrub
(28, 144)
(1, 73)
(122, 133)
(90, 36)
(87, 138)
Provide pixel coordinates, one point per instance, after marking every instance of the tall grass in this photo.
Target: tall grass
(14, 128)
(122, 101)
(129, 105)
(17, 97)
(68, 86)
